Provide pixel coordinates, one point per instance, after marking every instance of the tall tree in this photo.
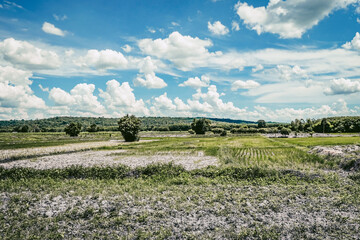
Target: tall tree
(200, 126)
(261, 123)
(129, 126)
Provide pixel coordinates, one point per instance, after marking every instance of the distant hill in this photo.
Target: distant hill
(57, 124)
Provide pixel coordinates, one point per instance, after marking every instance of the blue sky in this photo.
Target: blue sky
(274, 60)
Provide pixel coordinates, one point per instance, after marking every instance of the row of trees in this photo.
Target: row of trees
(327, 125)
(129, 126)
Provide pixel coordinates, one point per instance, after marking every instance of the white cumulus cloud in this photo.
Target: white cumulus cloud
(288, 73)
(60, 97)
(120, 99)
(196, 82)
(163, 102)
(289, 18)
(187, 52)
(354, 44)
(217, 28)
(147, 77)
(51, 29)
(81, 100)
(27, 55)
(342, 86)
(15, 91)
(104, 59)
(239, 84)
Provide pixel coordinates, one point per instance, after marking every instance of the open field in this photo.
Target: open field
(310, 142)
(29, 140)
(255, 188)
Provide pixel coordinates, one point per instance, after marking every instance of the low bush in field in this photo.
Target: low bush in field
(217, 130)
(191, 131)
(254, 130)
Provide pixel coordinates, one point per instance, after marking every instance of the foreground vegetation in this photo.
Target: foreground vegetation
(166, 201)
(263, 189)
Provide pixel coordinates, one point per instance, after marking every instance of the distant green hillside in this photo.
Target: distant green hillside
(57, 124)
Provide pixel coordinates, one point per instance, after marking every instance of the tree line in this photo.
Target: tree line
(92, 124)
(327, 125)
(88, 124)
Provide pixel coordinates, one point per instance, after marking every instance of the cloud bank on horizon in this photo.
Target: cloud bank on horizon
(274, 60)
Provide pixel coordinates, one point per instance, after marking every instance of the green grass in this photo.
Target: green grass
(28, 140)
(239, 151)
(208, 144)
(320, 141)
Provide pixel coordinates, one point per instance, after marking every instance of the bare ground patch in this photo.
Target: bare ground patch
(293, 212)
(348, 156)
(11, 154)
(112, 158)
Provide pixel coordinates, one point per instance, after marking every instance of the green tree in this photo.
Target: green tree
(308, 127)
(285, 131)
(129, 126)
(326, 126)
(25, 128)
(93, 128)
(261, 124)
(73, 129)
(200, 126)
(217, 130)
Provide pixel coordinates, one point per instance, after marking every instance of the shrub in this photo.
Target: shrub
(73, 129)
(200, 126)
(161, 128)
(285, 131)
(129, 126)
(93, 128)
(261, 124)
(191, 131)
(23, 128)
(262, 130)
(217, 130)
(223, 133)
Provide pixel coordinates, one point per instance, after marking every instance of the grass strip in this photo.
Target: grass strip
(158, 172)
